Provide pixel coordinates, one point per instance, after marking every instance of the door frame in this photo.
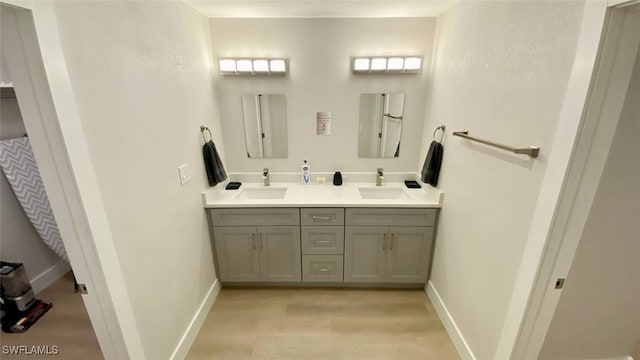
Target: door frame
(595, 95)
(50, 113)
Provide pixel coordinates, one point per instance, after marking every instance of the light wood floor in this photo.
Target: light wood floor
(65, 325)
(322, 324)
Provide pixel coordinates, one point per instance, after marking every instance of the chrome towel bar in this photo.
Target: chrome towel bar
(532, 151)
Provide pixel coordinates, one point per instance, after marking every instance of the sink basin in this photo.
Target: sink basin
(382, 193)
(263, 193)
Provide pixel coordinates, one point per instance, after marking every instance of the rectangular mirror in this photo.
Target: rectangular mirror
(265, 125)
(380, 125)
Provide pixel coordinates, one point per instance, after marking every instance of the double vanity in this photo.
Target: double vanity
(356, 234)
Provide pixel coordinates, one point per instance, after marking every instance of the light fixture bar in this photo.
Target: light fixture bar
(253, 66)
(362, 65)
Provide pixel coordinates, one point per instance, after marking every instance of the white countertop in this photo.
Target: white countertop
(324, 195)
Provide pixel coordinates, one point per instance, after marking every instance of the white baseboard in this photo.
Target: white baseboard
(196, 323)
(47, 277)
(449, 324)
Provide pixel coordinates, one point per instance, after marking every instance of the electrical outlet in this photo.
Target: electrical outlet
(183, 172)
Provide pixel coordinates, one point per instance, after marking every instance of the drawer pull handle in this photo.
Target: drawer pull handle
(321, 218)
(324, 269)
(322, 241)
(253, 240)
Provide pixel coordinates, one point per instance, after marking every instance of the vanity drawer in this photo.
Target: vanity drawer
(328, 240)
(322, 216)
(390, 217)
(260, 216)
(322, 268)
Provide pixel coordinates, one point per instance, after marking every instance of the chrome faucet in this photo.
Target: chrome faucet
(379, 177)
(265, 176)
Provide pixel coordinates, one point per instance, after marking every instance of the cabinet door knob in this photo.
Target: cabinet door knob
(391, 244)
(384, 242)
(253, 240)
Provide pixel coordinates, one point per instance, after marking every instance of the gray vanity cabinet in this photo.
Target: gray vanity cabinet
(322, 244)
(262, 253)
(365, 254)
(399, 252)
(332, 246)
(279, 248)
(408, 254)
(381, 254)
(257, 245)
(236, 250)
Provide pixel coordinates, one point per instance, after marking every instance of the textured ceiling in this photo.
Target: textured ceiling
(320, 8)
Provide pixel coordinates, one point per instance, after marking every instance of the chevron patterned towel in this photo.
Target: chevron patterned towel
(19, 166)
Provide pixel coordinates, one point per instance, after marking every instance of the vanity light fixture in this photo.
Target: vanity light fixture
(278, 66)
(395, 63)
(386, 64)
(227, 65)
(379, 64)
(253, 66)
(244, 66)
(261, 66)
(361, 64)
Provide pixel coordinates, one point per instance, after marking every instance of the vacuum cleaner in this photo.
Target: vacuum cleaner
(19, 307)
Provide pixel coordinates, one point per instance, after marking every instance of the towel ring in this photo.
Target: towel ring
(441, 127)
(202, 130)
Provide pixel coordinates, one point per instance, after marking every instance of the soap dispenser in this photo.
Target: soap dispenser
(337, 178)
(305, 173)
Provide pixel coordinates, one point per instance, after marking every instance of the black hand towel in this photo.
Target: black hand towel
(431, 167)
(213, 164)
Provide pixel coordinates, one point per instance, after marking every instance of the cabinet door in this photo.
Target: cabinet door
(279, 248)
(364, 253)
(408, 254)
(237, 253)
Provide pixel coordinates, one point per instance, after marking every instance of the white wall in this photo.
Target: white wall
(598, 315)
(500, 71)
(141, 76)
(320, 79)
(19, 241)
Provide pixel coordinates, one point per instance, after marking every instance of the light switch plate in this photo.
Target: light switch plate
(183, 172)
